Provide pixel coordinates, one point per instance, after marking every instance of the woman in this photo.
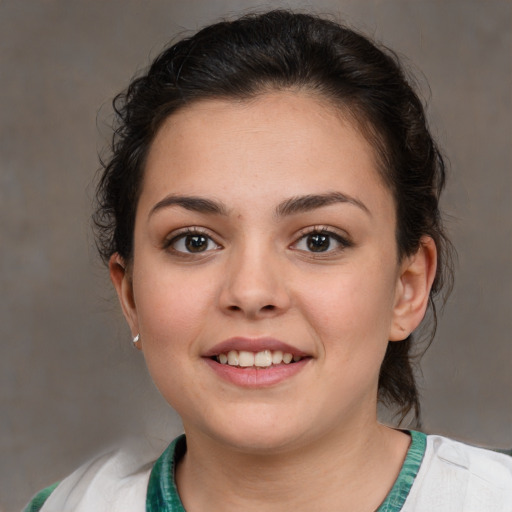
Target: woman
(270, 220)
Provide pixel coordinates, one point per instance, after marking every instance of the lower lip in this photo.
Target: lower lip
(256, 377)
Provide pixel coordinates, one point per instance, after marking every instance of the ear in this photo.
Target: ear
(417, 273)
(121, 278)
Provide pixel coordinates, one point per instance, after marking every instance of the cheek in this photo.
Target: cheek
(172, 311)
(171, 305)
(351, 309)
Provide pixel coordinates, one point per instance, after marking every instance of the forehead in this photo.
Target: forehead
(296, 140)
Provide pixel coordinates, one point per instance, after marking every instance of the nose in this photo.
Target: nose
(254, 284)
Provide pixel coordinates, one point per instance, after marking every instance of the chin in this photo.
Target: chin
(253, 435)
(262, 443)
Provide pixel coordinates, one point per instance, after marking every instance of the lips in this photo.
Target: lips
(257, 362)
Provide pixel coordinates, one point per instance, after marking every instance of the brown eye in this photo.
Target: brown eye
(196, 243)
(318, 242)
(192, 243)
(321, 242)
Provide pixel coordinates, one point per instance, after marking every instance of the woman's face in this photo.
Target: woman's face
(264, 232)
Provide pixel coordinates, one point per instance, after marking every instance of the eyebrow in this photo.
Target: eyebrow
(309, 202)
(192, 203)
(292, 206)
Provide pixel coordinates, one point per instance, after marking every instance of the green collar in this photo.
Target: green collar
(162, 492)
(396, 498)
(163, 495)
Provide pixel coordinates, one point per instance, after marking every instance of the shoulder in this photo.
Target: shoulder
(486, 465)
(457, 476)
(114, 481)
(39, 499)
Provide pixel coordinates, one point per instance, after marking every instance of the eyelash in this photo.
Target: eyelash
(342, 241)
(189, 232)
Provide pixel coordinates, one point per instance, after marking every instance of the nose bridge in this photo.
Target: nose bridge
(254, 282)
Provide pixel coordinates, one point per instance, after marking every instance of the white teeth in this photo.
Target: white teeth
(277, 357)
(262, 359)
(233, 358)
(245, 359)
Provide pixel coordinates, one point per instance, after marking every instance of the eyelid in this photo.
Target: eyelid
(338, 235)
(178, 234)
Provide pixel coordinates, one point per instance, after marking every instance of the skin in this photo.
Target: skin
(292, 444)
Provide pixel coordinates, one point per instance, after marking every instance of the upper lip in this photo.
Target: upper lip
(252, 345)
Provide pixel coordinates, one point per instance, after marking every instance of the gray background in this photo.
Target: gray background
(70, 383)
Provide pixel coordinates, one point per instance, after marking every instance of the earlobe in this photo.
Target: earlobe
(121, 279)
(417, 274)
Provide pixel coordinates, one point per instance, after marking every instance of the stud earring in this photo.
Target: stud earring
(136, 339)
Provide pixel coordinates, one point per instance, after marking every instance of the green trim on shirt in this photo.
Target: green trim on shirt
(162, 492)
(163, 495)
(396, 498)
(39, 499)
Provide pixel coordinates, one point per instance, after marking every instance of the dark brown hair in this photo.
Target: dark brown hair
(280, 50)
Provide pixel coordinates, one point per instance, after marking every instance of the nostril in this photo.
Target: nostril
(269, 307)
(234, 308)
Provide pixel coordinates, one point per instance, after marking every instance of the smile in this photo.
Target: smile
(256, 362)
(261, 359)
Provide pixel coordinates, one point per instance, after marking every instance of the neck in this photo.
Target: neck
(353, 469)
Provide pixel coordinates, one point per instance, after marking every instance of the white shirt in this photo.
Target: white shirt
(452, 477)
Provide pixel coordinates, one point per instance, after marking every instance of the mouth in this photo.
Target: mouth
(261, 359)
(256, 362)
